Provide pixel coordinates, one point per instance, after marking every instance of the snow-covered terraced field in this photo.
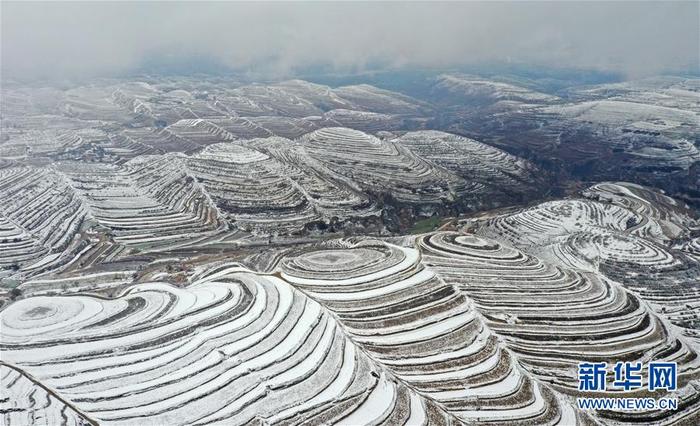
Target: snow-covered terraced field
(40, 219)
(419, 167)
(27, 402)
(203, 251)
(624, 232)
(425, 330)
(475, 89)
(672, 92)
(234, 348)
(374, 163)
(641, 131)
(138, 118)
(442, 328)
(530, 302)
(615, 112)
(150, 200)
(248, 187)
(673, 128)
(363, 120)
(266, 186)
(483, 168)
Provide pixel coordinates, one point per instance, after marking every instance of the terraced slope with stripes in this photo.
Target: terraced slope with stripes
(625, 233)
(445, 327)
(336, 177)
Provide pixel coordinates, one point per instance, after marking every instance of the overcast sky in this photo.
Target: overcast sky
(102, 39)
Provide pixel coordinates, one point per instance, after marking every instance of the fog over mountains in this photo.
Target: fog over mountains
(349, 214)
(72, 40)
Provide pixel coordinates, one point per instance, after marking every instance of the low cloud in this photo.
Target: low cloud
(69, 40)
